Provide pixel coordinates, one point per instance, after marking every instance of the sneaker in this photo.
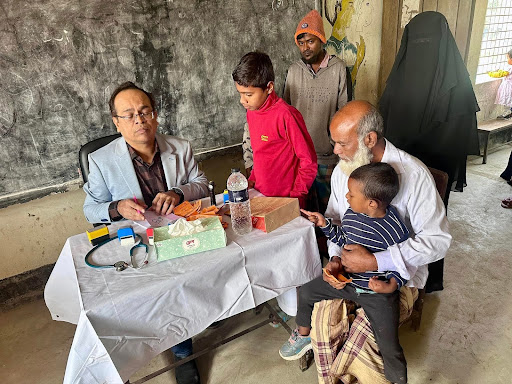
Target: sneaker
(295, 347)
(284, 316)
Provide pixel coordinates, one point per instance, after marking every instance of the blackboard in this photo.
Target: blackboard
(61, 59)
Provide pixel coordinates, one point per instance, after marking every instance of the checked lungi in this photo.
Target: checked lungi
(343, 342)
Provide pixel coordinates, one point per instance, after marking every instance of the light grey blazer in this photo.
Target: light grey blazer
(112, 176)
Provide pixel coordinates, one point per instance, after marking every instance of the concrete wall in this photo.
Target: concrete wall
(357, 25)
(33, 233)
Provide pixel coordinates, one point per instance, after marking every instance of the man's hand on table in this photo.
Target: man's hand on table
(164, 202)
(131, 210)
(334, 267)
(356, 258)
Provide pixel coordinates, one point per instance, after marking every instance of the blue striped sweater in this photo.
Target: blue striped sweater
(375, 234)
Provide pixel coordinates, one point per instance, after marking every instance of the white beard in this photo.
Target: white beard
(362, 157)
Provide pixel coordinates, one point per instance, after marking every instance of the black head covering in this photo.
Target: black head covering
(429, 106)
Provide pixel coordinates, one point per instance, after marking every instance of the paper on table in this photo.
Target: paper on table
(154, 220)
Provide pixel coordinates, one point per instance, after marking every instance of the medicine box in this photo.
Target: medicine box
(168, 247)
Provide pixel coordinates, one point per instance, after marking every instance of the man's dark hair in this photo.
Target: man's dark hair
(254, 70)
(380, 181)
(301, 36)
(124, 87)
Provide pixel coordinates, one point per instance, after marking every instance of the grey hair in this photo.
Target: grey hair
(371, 122)
(509, 53)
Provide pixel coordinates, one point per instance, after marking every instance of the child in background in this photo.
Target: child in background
(284, 155)
(372, 222)
(504, 96)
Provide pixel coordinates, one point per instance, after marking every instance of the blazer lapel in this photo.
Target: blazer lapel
(126, 171)
(168, 162)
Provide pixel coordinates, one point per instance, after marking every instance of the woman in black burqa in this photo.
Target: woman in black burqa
(429, 106)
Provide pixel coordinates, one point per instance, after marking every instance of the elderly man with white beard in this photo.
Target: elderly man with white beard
(357, 130)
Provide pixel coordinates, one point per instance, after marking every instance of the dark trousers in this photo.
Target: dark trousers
(183, 349)
(381, 309)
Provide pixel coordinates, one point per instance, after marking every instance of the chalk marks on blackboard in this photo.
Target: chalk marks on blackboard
(5, 130)
(58, 39)
(279, 5)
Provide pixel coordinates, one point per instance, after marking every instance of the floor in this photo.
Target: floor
(465, 336)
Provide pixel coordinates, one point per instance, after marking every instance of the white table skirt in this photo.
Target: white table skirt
(124, 319)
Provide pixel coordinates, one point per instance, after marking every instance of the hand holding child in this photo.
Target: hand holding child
(317, 218)
(333, 268)
(381, 286)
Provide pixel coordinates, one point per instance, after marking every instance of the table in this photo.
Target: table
(124, 319)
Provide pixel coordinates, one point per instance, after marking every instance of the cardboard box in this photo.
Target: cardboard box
(269, 213)
(168, 247)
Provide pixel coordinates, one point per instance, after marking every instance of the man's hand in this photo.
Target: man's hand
(356, 258)
(380, 286)
(251, 184)
(130, 210)
(316, 218)
(164, 202)
(334, 267)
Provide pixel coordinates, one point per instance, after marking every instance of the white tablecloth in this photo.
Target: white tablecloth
(124, 319)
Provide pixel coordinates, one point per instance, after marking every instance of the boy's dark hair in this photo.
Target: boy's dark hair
(123, 87)
(380, 181)
(254, 70)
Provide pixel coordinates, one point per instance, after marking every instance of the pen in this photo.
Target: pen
(136, 202)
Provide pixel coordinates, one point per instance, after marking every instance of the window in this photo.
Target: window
(496, 39)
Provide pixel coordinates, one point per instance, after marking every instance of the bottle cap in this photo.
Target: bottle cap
(233, 170)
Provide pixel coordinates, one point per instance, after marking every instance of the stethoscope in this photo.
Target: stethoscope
(120, 265)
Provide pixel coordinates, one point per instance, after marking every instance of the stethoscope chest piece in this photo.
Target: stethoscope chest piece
(120, 266)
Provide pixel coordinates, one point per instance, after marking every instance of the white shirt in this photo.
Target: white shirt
(421, 208)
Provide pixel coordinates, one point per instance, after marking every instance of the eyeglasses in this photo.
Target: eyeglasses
(143, 116)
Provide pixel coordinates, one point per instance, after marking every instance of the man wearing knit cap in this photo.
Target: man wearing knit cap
(317, 87)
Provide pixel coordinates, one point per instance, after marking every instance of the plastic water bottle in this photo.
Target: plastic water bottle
(239, 203)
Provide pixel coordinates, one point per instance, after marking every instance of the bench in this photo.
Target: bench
(492, 126)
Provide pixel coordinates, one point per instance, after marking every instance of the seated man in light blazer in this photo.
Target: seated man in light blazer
(142, 170)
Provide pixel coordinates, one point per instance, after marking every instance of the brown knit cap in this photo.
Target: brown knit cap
(311, 23)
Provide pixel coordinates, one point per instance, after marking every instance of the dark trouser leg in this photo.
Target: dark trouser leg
(186, 373)
(183, 349)
(382, 309)
(309, 294)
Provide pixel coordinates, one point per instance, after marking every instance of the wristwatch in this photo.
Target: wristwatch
(113, 212)
(179, 192)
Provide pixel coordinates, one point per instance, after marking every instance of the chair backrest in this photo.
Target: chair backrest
(441, 179)
(91, 146)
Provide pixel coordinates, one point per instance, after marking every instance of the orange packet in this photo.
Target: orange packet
(340, 278)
